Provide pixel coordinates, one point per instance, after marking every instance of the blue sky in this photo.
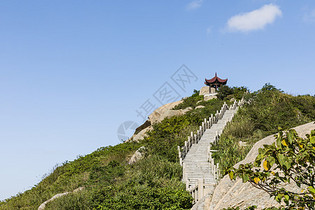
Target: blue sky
(72, 71)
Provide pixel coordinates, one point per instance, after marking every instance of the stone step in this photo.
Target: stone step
(196, 161)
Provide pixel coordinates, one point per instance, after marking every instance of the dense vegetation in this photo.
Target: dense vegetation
(266, 110)
(111, 183)
(155, 181)
(290, 159)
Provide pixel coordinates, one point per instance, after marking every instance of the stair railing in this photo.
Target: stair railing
(201, 188)
(194, 138)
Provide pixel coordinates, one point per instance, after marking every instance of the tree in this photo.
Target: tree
(289, 159)
(229, 92)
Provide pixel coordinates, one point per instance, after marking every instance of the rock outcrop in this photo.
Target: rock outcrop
(208, 93)
(138, 155)
(205, 90)
(158, 115)
(238, 194)
(43, 205)
(164, 111)
(200, 107)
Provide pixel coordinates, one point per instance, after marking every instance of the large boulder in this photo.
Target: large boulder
(204, 91)
(238, 194)
(164, 111)
(139, 136)
(157, 116)
(208, 93)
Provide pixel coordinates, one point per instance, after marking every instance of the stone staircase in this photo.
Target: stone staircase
(199, 172)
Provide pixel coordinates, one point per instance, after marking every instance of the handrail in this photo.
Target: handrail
(206, 124)
(200, 189)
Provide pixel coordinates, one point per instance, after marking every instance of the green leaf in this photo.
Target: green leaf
(287, 164)
(290, 138)
(231, 174)
(279, 197)
(281, 159)
(278, 142)
(245, 177)
(271, 160)
(311, 190)
(312, 139)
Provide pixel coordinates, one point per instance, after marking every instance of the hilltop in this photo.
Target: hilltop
(110, 182)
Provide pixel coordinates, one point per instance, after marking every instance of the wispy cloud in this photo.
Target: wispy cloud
(254, 20)
(195, 4)
(310, 16)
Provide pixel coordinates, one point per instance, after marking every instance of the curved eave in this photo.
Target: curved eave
(216, 80)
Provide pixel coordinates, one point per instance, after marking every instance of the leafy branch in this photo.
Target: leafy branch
(289, 158)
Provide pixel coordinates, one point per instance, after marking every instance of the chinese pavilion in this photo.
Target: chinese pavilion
(215, 82)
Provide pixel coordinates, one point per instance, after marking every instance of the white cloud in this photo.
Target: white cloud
(254, 20)
(195, 4)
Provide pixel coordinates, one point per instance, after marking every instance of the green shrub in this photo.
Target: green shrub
(190, 101)
(110, 183)
(268, 109)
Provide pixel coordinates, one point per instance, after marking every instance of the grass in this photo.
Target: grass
(111, 183)
(155, 181)
(269, 110)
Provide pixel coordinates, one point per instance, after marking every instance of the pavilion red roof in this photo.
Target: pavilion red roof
(216, 79)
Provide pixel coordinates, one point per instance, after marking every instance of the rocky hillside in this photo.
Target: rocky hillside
(107, 179)
(235, 194)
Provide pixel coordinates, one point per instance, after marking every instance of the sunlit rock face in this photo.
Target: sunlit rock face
(238, 194)
(208, 93)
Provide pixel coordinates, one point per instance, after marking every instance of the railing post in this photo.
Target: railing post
(180, 156)
(186, 149)
(197, 193)
(184, 175)
(218, 171)
(200, 189)
(192, 137)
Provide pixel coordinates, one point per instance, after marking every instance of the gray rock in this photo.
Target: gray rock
(139, 136)
(242, 144)
(43, 205)
(165, 111)
(205, 90)
(238, 194)
(157, 116)
(138, 155)
(210, 96)
(199, 107)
